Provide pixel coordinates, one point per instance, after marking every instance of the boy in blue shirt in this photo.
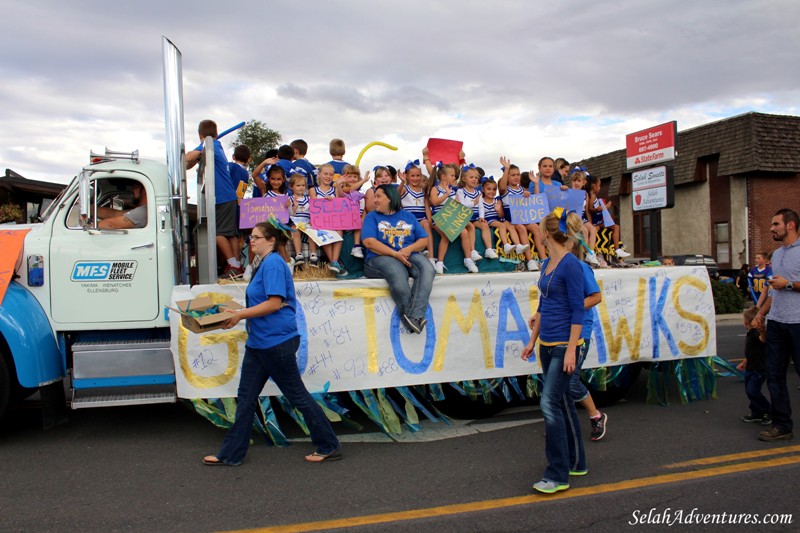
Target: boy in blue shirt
(758, 276)
(225, 198)
(300, 162)
(336, 149)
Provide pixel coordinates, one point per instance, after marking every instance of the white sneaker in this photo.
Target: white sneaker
(471, 266)
(533, 265)
(357, 252)
(592, 260)
(475, 256)
(248, 272)
(621, 253)
(439, 267)
(508, 248)
(522, 248)
(490, 253)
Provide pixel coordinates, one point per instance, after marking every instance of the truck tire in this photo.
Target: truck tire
(5, 385)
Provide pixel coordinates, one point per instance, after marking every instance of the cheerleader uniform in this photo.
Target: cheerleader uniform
(490, 214)
(414, 203)
(468, 199)
(441, 192)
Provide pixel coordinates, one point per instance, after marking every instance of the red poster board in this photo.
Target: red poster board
(444, 150)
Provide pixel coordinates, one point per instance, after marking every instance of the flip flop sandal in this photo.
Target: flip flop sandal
(216, 462)
(322, 458)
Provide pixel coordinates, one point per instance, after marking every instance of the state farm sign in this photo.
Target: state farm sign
(653, 188)
(651, 146)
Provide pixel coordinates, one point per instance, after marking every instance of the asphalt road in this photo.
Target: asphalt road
(139, 469)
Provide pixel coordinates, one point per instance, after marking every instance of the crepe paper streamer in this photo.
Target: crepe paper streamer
(729, 369)
(389, 416)
(370, 145)
(515, 385)
(273, 429)
(409, 416)
(406, 393)
(213, 310)
(436, 391)
(292, 411)
(229, 130)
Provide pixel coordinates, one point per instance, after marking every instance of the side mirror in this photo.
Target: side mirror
(84, 199)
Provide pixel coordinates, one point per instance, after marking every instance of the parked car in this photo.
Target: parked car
(691, 260)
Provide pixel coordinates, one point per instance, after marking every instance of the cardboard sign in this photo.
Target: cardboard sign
(608, 220)
(452, 218)
(576, 200)
(11, 242)
(444, 150)
(255, 210)
(530, 210)
(320, 236)
(556, 198)
(334, 213)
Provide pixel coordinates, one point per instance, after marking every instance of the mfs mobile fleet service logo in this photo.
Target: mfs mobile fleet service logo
(103, 271)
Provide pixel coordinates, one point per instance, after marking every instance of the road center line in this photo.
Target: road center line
(735, 457)
(485, 505)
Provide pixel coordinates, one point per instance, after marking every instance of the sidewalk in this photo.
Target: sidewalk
(734, 318)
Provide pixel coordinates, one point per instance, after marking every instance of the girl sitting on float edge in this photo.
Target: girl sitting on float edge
(469, 195)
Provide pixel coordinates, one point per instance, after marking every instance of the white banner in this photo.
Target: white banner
(351, 339)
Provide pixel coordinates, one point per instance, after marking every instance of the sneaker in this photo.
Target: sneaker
(775, 433)
(299, 260)
(508, 248)
(410, 323)
(522, 248)
(592, 260)
(471, 266)
(764, 420)
(602, 261)
(578, 472)
(599, 426)
(343, 273)
(490, 253)
(621, 253)
(421, 322)
(335, 267)
(549, 487)
(248, 273)
(533, 265)
(313, 260)
(439, 267)
(357, 252)
(232, 272)
(475, 256)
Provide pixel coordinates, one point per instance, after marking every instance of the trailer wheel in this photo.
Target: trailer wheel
(5, 385)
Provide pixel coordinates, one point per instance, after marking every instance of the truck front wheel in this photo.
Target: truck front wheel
(5, 385)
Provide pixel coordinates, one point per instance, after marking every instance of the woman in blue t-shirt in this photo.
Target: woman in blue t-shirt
(557, 326)
(394, 239)
(270, 352)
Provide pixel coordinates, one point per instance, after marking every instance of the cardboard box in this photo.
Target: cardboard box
(204, 323)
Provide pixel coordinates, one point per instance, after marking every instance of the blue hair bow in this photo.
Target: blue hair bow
(274, 222)
(576, 169)
(468, 167)
(487, 178)
(412, 164)
(562, 222)
(438, 164)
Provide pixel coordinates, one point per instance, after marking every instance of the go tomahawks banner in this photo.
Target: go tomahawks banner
(351, 338)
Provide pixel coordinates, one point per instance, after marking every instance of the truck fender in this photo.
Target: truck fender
(27, 332)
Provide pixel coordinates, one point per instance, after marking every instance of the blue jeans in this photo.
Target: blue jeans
(783, 344)
(280, 364)
(563, 444)
(759, 405)
(577, 389)
(410, 300)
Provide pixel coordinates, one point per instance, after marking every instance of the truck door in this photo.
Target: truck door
(105, 275)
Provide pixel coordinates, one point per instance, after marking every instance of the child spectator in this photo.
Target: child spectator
(437, 197)
(285, 156)
(758, 276)
(240, 175)
(276, 182)
(578, 182)
(337, 150)
(591, 297)
(260, 172)
(326, 190)
(509, 185)
(494, 216)
(350, 185)
(299, 161)
(755, 371)
(594, 208)
(227, 229)
(413, 199)
(562, 170)
(382, 177)
(667, 261)
(469, 194)
(299, 210)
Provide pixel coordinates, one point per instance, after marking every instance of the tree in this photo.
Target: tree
(259, 138)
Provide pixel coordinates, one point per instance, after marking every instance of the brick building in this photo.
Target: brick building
(730, 177)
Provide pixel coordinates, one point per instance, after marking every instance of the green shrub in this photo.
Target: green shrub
(727, 298)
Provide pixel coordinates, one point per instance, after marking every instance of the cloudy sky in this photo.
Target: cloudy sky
(519, 78)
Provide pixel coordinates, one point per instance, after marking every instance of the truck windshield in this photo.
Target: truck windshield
(54, 204)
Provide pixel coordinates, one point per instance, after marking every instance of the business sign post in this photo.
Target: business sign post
(652, 188)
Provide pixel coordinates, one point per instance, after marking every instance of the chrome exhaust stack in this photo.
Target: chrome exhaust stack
(176, 158)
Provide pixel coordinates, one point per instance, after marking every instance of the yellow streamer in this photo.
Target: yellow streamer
(370, 145)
